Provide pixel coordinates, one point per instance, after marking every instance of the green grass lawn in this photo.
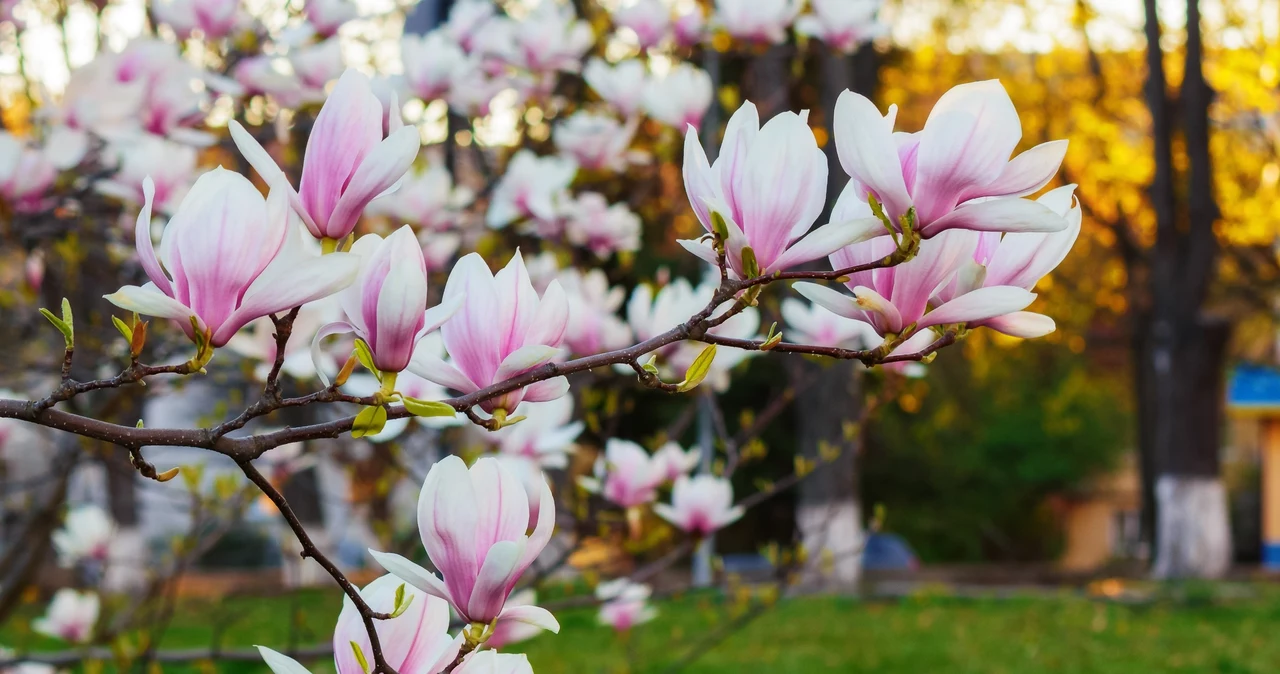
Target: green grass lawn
(1066, 634)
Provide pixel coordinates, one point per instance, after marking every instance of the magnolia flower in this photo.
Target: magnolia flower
(591, 223)
(626, 475)
(949, 173)
(593, 326)
(530, 188)
(502, 330)
(551, 38)
(700, 505)
(229, 256)
(1018, 260)
(681, 98)
(430, 62)
(386, 306)
(426, 199)
(71, 616)
(491, 662)
(757, 20)
(596, 142)
(531, 476)
(147, 155)
(768, 185)
(473, 523)
(545, 436)
(690, 27)
(327, 16)
(842, 24)
(347, 162)
(85, 535)
(625, 604)
(811, 324)
(415, 641)
(176, 100)
(26, 174)
(621, 85)
(472, 89)
(651, 315)
(649, 20)
(467, 18)
(215, 18)
(512, 632)
(258, 342)
(894, 299)
(317, 65)
(265, 75)
(675, 462)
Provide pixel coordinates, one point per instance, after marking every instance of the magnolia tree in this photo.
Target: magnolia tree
(278, 207)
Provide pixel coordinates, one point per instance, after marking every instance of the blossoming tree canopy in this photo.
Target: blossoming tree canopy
(430, 284)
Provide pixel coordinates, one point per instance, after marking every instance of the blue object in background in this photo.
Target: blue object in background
(888, 552)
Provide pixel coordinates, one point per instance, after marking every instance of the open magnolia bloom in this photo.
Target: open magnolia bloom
(416, 641)
(621, 85)
(949, 173)
(842, 24)
(768, 186)
(546, 435)
(700, 505)
(347, 163)
(386, 306)
(764, 21)
(70, 616)
(490, 662)
(227, 257)
(811, 324)
(1019, 260)
(680, 98)
(86, 535)
(473, 524)
(502, 330)
(626, 475)
(625, 604)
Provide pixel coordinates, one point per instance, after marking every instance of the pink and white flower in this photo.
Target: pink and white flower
(813, 325)
(467, 18)
(70, 617)
(428, 200)
(148, 155)
(26, 174)
(769, 185)
(596, 142)
(956, 172)
(216, 19)
(762, 21)
(502, 330)
(347, 163)
(317, 65)
(86, 534)
(594, 326)
(700, 505)
(842, 24)
(387, 305)
(1019, 260)
(551, 38)
(680, 98)
(675, 461)
(430, 64)
(546, 436)
(648, 20)
(327, 16)
(690, 27)
(626, 475)
(415, 641)
(591, 223)
(512, 632)
(626, 604)
(473, 523)
(492, 662)
(229, 256)
(531, 187)
(621, 85)
(652, 314)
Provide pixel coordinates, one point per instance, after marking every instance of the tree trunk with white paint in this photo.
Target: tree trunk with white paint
(1193, 532)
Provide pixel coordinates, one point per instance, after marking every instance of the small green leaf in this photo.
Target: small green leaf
(401, 604)
(369, 421)
(365, 355)
(124, 328)
(749, 263)
(428, 408)
(66, 313)
(364, 663)
(68, 335)
(719, 226)
(698, 369)
(649, 365)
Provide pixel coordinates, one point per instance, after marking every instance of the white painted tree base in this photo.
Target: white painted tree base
(833, 539)
(1193, 532)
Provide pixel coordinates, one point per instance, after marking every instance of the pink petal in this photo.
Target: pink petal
(998, 215)
(868, 152)
(979, 305)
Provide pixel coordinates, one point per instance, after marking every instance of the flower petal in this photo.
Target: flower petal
(524, 359)
(546, 390)
(412, 574)
(381, 168)
(1024, 324)
(832, 300)
(281, 663)
(979, 305)
(826, 240)
(998, 215)
(531, 615)
(335, 328)
(142, 237)
(868, 152)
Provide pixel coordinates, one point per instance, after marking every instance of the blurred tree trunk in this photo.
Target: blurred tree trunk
(1180, 351)
(829, 395)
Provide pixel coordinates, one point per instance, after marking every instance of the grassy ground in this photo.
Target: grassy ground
(1064, 634)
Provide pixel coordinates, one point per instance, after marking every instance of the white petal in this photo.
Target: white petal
(981, 304)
